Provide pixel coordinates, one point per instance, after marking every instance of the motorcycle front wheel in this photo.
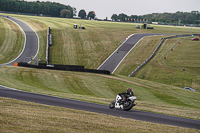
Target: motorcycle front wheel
(128, 105)
(112, 105)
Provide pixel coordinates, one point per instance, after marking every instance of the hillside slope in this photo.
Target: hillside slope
(170, 70)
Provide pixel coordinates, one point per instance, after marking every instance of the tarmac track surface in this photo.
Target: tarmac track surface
(113, 61)
(98, 108)
(31, 48)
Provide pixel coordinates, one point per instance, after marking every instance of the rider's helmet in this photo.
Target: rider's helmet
(128, 90)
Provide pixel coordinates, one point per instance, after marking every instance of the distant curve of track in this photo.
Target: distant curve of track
(114, 60)
(31, 49)
(31, 44)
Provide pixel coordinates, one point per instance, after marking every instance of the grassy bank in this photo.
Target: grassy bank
(102, 89)
(23, 117)
(170, 71)
(11, 40)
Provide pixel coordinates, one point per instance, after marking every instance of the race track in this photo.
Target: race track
(31, 49)
(98, 108)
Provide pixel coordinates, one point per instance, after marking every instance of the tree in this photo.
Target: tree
(114, 17)
(47, 8)
(65, 13)
(91, 15)
(133, 17)
(82, 14)
(106, 19)
(122, 17)
(197, 22)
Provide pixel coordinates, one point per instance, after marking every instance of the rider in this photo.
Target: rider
(126, 94)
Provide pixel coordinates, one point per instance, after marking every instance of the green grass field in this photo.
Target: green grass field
(158, 85)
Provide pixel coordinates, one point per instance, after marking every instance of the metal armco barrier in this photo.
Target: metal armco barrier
(163, 39)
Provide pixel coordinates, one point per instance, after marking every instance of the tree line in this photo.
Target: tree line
(83, 15)
(46, 8)
(59, 10)
(192, 17)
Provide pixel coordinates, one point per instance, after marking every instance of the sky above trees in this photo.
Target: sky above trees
(106, 8)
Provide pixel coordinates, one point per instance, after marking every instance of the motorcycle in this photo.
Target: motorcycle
(125, 105)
